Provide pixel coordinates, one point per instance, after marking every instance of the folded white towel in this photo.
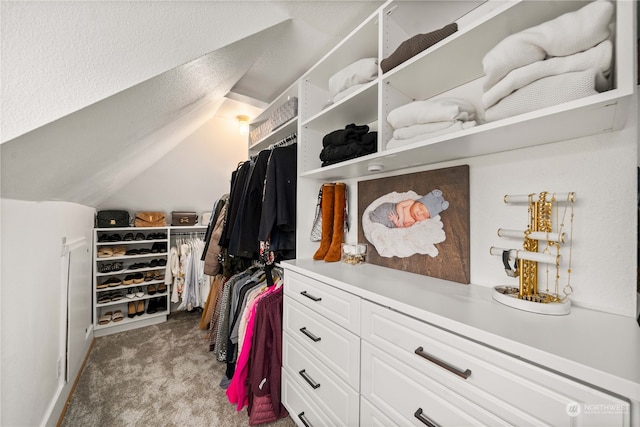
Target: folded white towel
(453, 127)
(544, 93)
(361, 71)
(409, 132)
(598, 58)
(565, 35)
(420, 112)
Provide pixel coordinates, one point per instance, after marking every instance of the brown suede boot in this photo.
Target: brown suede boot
(327, 220)
(335, 251)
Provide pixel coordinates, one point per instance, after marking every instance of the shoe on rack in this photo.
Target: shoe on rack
(148, 276)
(115, 238)
(131, 293)
(152, 307)
(105, 318)
(117, 316)
(103, 285)
(140, 308)
(117, 296)
(162, 262)
(151, 289)
(131, 310)
(138, 265)
(128, 237)
(132, 252)
(162, 288)
(162, 303)
(139, 292)
(139, 236)
(158, 275)
(128, 279)
(105, 252)
(138, 278)
(119, 251)
(112, 282)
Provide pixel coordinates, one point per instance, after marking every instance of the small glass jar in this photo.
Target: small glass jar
(354, 253)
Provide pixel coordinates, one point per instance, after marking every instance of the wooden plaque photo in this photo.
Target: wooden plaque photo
(418, 222)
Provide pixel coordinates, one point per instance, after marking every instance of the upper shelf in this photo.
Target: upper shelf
(455, 64)
(281, 131)
(276, 135)
(588, 116)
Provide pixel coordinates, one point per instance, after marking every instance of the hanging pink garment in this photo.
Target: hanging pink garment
(237, 392)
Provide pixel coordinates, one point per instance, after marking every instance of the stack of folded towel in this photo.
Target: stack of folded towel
(353, 77)
(557, 61)
(419, 120)
(348, 143)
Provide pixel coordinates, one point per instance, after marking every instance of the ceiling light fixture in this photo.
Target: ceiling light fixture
(243, 124)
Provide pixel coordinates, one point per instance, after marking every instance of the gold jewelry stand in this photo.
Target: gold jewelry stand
(540, 234)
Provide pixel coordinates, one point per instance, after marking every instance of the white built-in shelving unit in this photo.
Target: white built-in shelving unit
(336, 315)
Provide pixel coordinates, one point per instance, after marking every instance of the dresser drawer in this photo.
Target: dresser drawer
(371, 416)
(519, 391)
(301, 407)
(340, 307)
(336, 399)
(408, 397)
(334, 346)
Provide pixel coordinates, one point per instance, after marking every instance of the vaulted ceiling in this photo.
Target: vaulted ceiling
(93, 93)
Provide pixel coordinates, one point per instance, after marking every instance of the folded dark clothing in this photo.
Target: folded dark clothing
(342, 136)
(331, 162)
(353, 149)
(369, 138)
(416, 44)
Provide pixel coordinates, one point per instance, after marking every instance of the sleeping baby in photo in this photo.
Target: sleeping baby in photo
(403, 224)
(408, 212)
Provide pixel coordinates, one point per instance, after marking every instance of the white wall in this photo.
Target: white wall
(31, 303)
(191, 176)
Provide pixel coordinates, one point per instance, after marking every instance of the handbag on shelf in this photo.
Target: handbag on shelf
(150, 219)
(179, 218)
(316, 228)
(112, 218)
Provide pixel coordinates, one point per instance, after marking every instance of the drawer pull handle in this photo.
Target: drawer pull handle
(311, 297)
(308, 379)
(309, 334)
(304, 419)
(420, 352)
(423, 419)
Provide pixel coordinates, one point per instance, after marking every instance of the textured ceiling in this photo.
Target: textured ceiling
(94, 92)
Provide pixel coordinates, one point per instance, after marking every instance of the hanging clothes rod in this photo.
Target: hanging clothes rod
(289, 140)
(285, 141)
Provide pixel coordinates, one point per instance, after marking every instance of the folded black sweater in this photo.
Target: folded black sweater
(343, 136)
(349, 149)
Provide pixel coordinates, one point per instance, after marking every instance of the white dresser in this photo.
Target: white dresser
(365, 345)
(321, 347)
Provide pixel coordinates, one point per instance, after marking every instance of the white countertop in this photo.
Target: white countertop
(595, 347)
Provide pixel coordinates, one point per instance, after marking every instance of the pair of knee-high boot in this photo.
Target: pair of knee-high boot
(333, 212)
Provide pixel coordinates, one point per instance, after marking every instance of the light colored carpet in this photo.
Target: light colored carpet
(160, 375)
